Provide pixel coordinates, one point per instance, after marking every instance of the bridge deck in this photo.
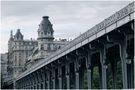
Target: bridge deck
(118, 19)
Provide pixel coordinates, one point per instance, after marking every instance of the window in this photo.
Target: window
(41, 33)
(19, 43)
(59, 47)
(42, 47)
(45, 33)
(41, 53)
(15, 60)
(49, 33)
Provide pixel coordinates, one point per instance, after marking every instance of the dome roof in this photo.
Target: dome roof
(45, 24)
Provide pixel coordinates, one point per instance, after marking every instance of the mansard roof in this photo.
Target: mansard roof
(18, 34)
(45, 25)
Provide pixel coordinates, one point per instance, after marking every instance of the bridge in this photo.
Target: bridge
(103, 53)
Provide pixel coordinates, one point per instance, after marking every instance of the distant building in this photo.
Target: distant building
(23, 54)
(4, 74)
(46, 43)
(18, 52)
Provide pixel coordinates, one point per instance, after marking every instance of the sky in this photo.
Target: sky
(69, 18)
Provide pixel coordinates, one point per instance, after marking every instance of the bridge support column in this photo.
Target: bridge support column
(60, 77)
(39, 85)
(53, 74)
(32, 81)
(104, 67)
(35, 81)
(43, 75)
(53, 83)
(77, 74)
(67, 76)
(88, 67)
(60, 83)
(77, 80)
(40, 81)
(104, 85)
(124, 64)
(89, 77)
(68, 82)
(48, 80)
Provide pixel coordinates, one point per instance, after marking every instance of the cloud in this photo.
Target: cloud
(69, 18)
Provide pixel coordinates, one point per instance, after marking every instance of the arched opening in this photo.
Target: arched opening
(96, 71)
(114, 70)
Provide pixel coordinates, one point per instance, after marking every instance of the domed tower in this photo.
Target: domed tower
(45, 35)
(45, 30)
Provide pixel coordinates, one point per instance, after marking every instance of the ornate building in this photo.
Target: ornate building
(18, 52)
(46, 43)
(23, 54)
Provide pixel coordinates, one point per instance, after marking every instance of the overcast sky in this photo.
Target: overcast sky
(69, 18)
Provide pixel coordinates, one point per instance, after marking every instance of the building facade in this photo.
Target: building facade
(46, 43)
(23, 54)
(18, 52)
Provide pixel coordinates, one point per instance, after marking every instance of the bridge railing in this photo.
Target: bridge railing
(97, 28)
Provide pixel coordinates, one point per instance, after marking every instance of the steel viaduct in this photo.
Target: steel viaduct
(107, 47)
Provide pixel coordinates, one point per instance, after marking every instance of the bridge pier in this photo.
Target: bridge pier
(48, 80)
(88, 67)
(60, 76)
(124, 65)
(53, 78)
(103, 65)
(89, 77)
(77, 79)
(67, 74)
